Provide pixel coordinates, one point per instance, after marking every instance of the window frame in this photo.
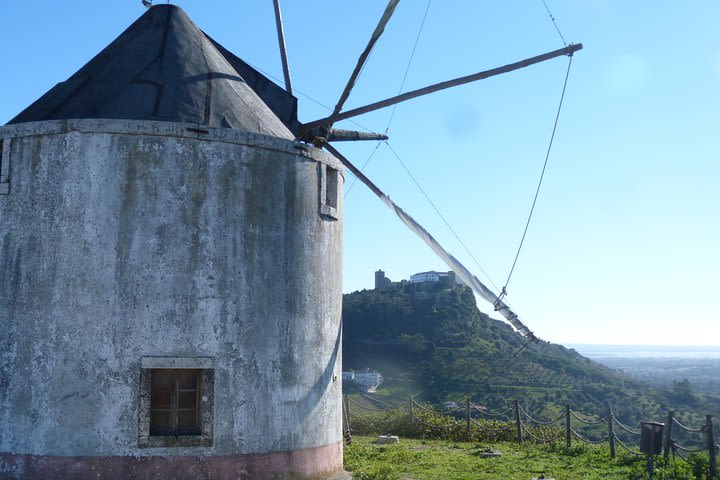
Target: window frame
(329, 191)
(204, 368)
(4, 166)
(174, 409)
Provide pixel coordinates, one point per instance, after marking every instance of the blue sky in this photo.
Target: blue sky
(623, 244)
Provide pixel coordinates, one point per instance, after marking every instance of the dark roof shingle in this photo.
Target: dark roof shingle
(163, 67)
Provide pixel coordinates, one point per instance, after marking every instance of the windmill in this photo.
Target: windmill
(165, 232)
(322, 134)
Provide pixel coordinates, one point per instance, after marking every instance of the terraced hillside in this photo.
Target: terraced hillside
(435, 344)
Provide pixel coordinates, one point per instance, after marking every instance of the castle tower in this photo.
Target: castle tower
(380, 279)
(170, 269)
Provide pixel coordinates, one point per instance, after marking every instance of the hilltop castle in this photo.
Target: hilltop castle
(442, 279)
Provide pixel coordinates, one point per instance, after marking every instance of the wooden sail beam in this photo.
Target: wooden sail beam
(339, 135)
(365, 54)
(463, 273)
(283, 51)
(336, 117)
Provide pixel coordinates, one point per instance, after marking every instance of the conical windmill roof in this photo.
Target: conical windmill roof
(163, 67)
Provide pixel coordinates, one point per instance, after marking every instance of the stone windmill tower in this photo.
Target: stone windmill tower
(171, 271)
(170, 266)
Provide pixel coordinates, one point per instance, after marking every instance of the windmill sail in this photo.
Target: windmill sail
(389, 10)
(318, 132)
(459, 269)
(452, 262)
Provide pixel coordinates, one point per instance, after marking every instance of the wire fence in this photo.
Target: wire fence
(691, 430)
(585, 439)
(471, 421)
(625, 447)
(586, 422)
(487, 427)
(625, 427)
(503, 413)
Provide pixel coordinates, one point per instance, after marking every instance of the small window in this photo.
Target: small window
(176, 402)
(4, 166)
(329, 193)
(331, 187)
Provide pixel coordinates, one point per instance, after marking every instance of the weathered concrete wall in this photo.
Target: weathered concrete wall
(126, 239)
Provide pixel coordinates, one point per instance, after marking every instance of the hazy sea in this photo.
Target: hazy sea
(600, 352)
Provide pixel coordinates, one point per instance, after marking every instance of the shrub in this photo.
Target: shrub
(670, 469)
(427, 423)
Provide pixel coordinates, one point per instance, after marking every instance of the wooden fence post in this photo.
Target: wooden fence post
(517, 421)
(347, 409)
(711, 446)
(667, 444)
(611, 433)
(347, 431)
(344, 419)
(467, 417)
(412, 415)
(568, 436)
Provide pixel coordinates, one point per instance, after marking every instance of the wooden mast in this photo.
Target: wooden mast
(328, 121)
(283, 51)
(379, 29)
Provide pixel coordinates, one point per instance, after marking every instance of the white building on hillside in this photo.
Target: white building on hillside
(448, 277)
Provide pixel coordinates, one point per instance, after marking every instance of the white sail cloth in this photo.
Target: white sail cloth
(459, 269)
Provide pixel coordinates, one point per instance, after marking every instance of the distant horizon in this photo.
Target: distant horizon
(575, 344)
(598, 351)
(658, 345)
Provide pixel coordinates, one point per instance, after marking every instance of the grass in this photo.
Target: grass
(448, 460)
(436, 446)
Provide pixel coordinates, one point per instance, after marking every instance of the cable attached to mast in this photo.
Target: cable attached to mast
(402, 85)
(554, 23)
(432, 204)
(407, 68)
(542, 175)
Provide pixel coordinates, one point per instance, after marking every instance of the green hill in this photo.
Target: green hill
(435, 344)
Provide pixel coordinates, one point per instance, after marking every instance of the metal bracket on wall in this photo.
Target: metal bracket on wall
(4, 166)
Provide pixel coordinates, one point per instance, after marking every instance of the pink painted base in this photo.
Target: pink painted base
(312, 463)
